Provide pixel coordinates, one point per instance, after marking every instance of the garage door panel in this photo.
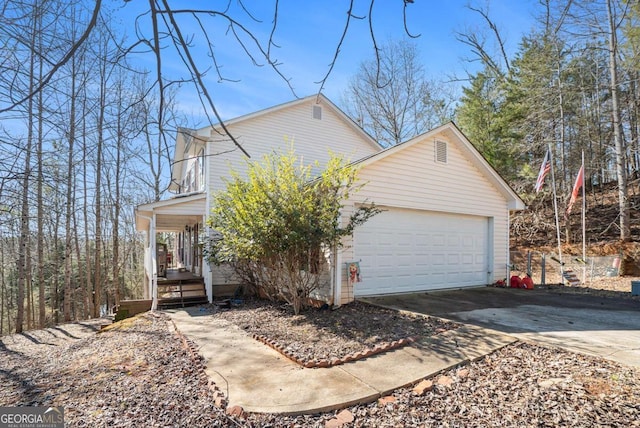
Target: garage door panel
(469, 241)
(410, 250)
(468, 259)
(439, 240)
(438, 259)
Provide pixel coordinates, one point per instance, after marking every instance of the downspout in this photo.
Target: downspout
(337, 277)
(337, 271)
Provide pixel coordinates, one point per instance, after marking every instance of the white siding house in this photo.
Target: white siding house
(446, 218)
(313, 126)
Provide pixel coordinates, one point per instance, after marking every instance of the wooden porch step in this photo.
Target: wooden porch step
(177, 302)
(181, 292)
(167, 282)
(165, 288)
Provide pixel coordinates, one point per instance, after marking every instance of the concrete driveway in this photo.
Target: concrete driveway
(601, 326)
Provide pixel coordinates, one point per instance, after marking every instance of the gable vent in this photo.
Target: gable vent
(441, 151)
(317, 112)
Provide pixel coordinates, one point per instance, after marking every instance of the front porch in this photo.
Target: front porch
(176, 274)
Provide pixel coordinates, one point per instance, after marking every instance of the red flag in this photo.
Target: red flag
(544, 170)
(576, 189)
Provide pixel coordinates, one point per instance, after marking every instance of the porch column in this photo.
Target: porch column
(154, 263)
(207, 271)
(146, 288)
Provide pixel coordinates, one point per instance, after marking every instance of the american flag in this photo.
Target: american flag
(544, 170)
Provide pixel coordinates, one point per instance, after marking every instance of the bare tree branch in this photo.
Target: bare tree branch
(197, 75)
(350, 15)
(404, 20)
(496, 32)
(70, 53)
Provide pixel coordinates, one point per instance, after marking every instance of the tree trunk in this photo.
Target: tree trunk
(97, 279)
(116, 212)
(2, 287)
(88, 288)
(40, 208)
(620, 146)
(23, 245)
(69, 196)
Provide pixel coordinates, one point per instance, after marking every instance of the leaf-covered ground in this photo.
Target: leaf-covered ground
(140, 373)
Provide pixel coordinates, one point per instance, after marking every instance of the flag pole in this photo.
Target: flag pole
(584, 224)
(555, 210)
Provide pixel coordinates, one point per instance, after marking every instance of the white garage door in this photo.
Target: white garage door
(410, 250)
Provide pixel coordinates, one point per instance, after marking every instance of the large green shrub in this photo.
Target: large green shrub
(275, 226)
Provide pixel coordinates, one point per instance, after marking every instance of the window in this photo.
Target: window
(188, 181)
(441, 151)
(200, 181)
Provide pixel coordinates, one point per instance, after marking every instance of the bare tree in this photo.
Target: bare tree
(48, 48)
(618, 139)
(69, 204)
(391, 97)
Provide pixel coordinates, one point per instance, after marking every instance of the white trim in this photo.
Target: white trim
(491, 252)
(176, 200)
(208, 278)
(154, 269)
(207, 273)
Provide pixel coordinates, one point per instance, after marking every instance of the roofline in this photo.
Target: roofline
(298, 101)
(207, 132)
(143, 213)
(176, 200)
(516, 203)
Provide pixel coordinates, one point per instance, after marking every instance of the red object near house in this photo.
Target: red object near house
(527, 283)
(515, 282)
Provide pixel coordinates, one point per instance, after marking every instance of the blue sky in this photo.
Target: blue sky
(308, 33)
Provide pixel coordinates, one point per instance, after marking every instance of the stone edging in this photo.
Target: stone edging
(325, 363)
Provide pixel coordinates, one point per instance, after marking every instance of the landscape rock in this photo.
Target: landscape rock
(236, 411)
(334, 423)
(423, 387)
(345, 416)
(462, 373)
(446, 381)
(383, 401)
(142, 373)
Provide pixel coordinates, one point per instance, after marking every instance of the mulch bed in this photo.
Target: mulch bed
(137, 373)
(319, 338)
(141, 372)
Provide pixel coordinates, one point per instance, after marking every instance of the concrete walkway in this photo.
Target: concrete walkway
(259, 379)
